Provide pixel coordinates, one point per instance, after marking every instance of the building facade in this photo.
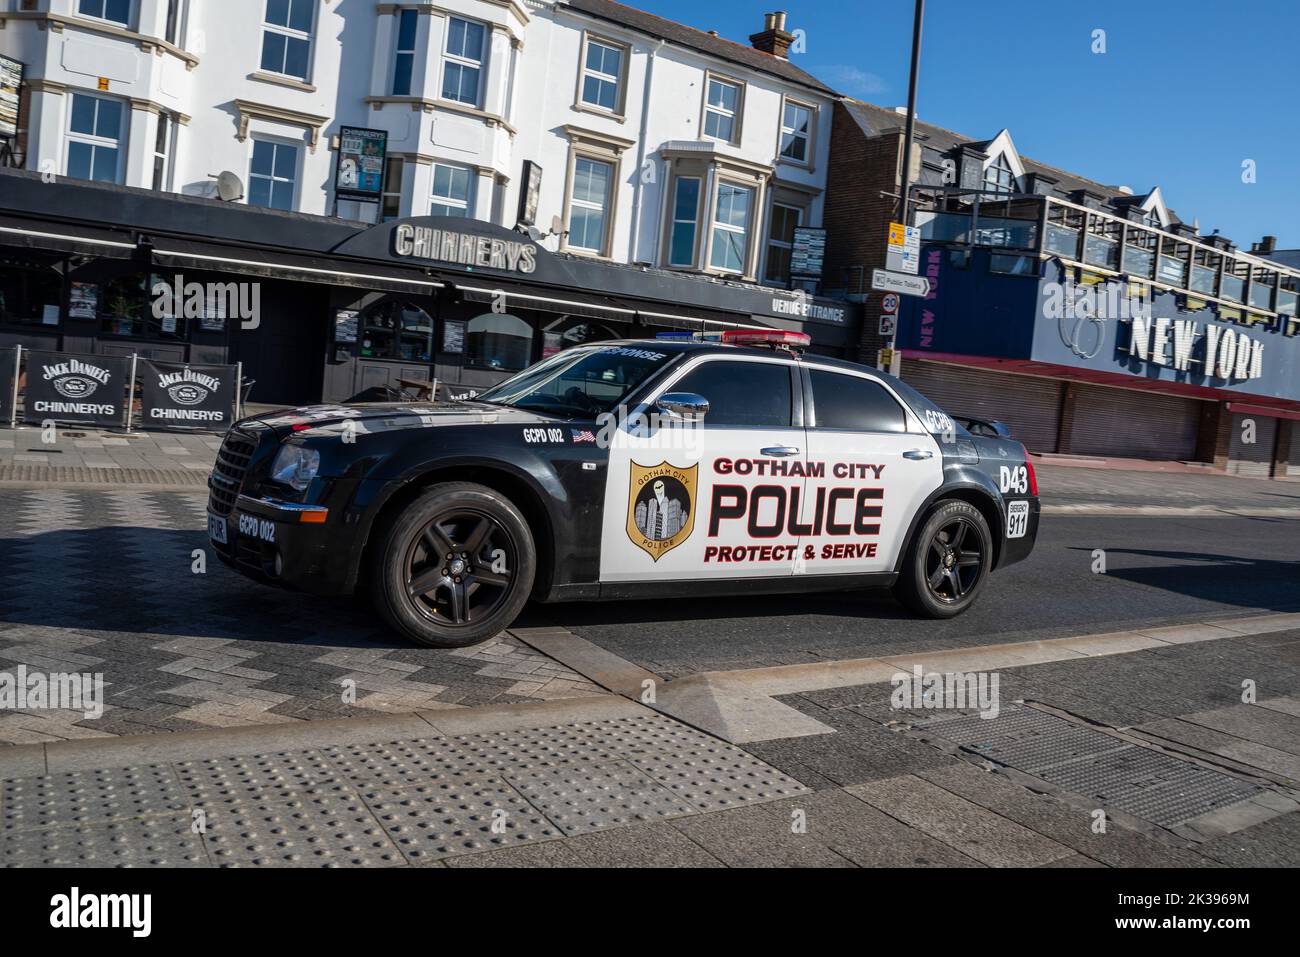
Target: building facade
(1090, 318)
(670, 165)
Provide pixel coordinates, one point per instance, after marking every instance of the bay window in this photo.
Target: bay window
(94, 138)
(404, 51)
(462, 61)
(453, 191)
(116, 11)
(685, 224)
(780, 242)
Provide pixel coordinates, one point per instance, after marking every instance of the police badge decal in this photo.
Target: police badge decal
(661, 507)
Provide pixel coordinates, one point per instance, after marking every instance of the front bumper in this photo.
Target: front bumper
(282, 543)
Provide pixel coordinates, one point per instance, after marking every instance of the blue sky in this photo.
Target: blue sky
(1186, 91)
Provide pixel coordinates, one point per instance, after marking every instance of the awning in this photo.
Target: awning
(80, 240)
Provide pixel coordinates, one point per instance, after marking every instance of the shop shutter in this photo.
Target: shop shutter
(1255, 458)
(1029, 405)
(1131, 424)
(1293, 469)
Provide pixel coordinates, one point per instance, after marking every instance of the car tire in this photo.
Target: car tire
(930, 584)
(475, 588)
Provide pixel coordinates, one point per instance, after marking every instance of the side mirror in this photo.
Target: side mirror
(683, 405)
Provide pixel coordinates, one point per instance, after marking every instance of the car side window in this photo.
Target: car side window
(855, 404)
(745, 394)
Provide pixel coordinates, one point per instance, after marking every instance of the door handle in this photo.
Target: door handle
(918, 454)
(781, 451)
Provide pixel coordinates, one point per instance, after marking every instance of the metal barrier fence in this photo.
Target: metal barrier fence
(106, 390)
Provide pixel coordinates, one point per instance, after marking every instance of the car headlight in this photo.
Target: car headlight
(295, 466)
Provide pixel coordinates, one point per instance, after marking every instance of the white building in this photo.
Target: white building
(657, 144)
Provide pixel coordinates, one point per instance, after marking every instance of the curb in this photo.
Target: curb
(44, 476)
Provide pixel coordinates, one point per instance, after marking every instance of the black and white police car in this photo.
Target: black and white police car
(664, 467)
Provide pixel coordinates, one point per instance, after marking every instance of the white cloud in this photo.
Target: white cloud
(852, 80)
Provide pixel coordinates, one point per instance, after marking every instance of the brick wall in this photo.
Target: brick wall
(861, 201)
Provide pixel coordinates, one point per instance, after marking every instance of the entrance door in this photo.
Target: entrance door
(718, 500)
(868, 474)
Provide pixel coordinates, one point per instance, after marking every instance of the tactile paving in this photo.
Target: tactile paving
(610, 795)
(458, 815)
(265, 776)
(163, 840)
(314, 831)
(89, 797)
(715, 776)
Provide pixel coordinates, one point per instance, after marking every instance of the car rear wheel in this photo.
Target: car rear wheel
(947, 561)
(456, 567)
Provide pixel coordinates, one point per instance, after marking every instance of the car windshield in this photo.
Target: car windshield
(581, 382)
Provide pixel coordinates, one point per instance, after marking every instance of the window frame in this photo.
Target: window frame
(297, 169)
(737, 115)
(399, 51)
(447, 57)
(800, 213)
(450, 201)
(911, 420)
(798, 412)
(578, 154)
(391, 190)
(165, 131)
(748, 232)
(619, 110)
(123, 24)
(999, 165)
(810, 153)
(292, 34)
(701, 180)
(95, 141)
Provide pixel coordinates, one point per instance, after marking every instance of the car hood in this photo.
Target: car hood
(367, 418)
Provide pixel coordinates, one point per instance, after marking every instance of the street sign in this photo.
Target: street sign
(889, 303)
(903, 252)
(888, 326)
(883, 280)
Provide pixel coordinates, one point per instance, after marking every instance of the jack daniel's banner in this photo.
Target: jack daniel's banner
(75, 388)
(180, 395)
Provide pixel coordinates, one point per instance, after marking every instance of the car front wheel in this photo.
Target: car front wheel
(456, 567)
(947, 561)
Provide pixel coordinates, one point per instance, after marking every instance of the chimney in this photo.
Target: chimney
(774, 39)
(1268, 244)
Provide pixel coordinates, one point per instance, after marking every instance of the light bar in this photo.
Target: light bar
(774, 337)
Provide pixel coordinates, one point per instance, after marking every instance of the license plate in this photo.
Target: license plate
(217, 529)
(1017, 519)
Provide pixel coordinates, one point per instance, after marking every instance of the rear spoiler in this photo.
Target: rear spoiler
(991, 428)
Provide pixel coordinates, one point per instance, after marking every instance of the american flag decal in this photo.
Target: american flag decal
(583, 435)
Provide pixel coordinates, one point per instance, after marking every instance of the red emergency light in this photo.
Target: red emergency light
(775, 338)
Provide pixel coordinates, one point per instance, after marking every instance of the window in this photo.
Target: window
(94, 138)
(747, 394)
(462, 61)
(286, 37)
(999, 177)
(780, 241)
(602, 73)
(272, 174)
(498, 341)
(686, 212)
(855, 404)
(125, 307)
(796, 133)
(31, 289)
(582, 381)
(172, 28)
(396, 329)
(722, 110)
(391, 207)
(119, 11)
(731, 228)
(589, 204)
(452, 191)
(404, 57)
(161, 151)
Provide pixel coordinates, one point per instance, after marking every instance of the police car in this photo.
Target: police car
(664, 467)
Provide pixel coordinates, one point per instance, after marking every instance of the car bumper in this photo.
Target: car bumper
(1017, 549)
(281, 543)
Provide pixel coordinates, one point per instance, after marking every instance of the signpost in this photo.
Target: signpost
(882, 280)
(903, 249)
(888, 326)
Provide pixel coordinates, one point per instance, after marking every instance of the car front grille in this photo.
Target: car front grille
(228, 474)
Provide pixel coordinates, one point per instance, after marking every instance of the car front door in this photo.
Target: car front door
(871, 466)
(715, 499)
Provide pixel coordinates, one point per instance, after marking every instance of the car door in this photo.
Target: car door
(712, 500)
(872, 465)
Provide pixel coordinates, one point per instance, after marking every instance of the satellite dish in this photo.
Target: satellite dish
(229, 186)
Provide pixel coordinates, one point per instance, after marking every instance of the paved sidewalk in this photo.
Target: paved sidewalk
(85, 456)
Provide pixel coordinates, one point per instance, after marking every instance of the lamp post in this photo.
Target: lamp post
(911, 114)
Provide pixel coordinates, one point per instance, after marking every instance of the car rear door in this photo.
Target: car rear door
(872, 465)
(713, 500)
